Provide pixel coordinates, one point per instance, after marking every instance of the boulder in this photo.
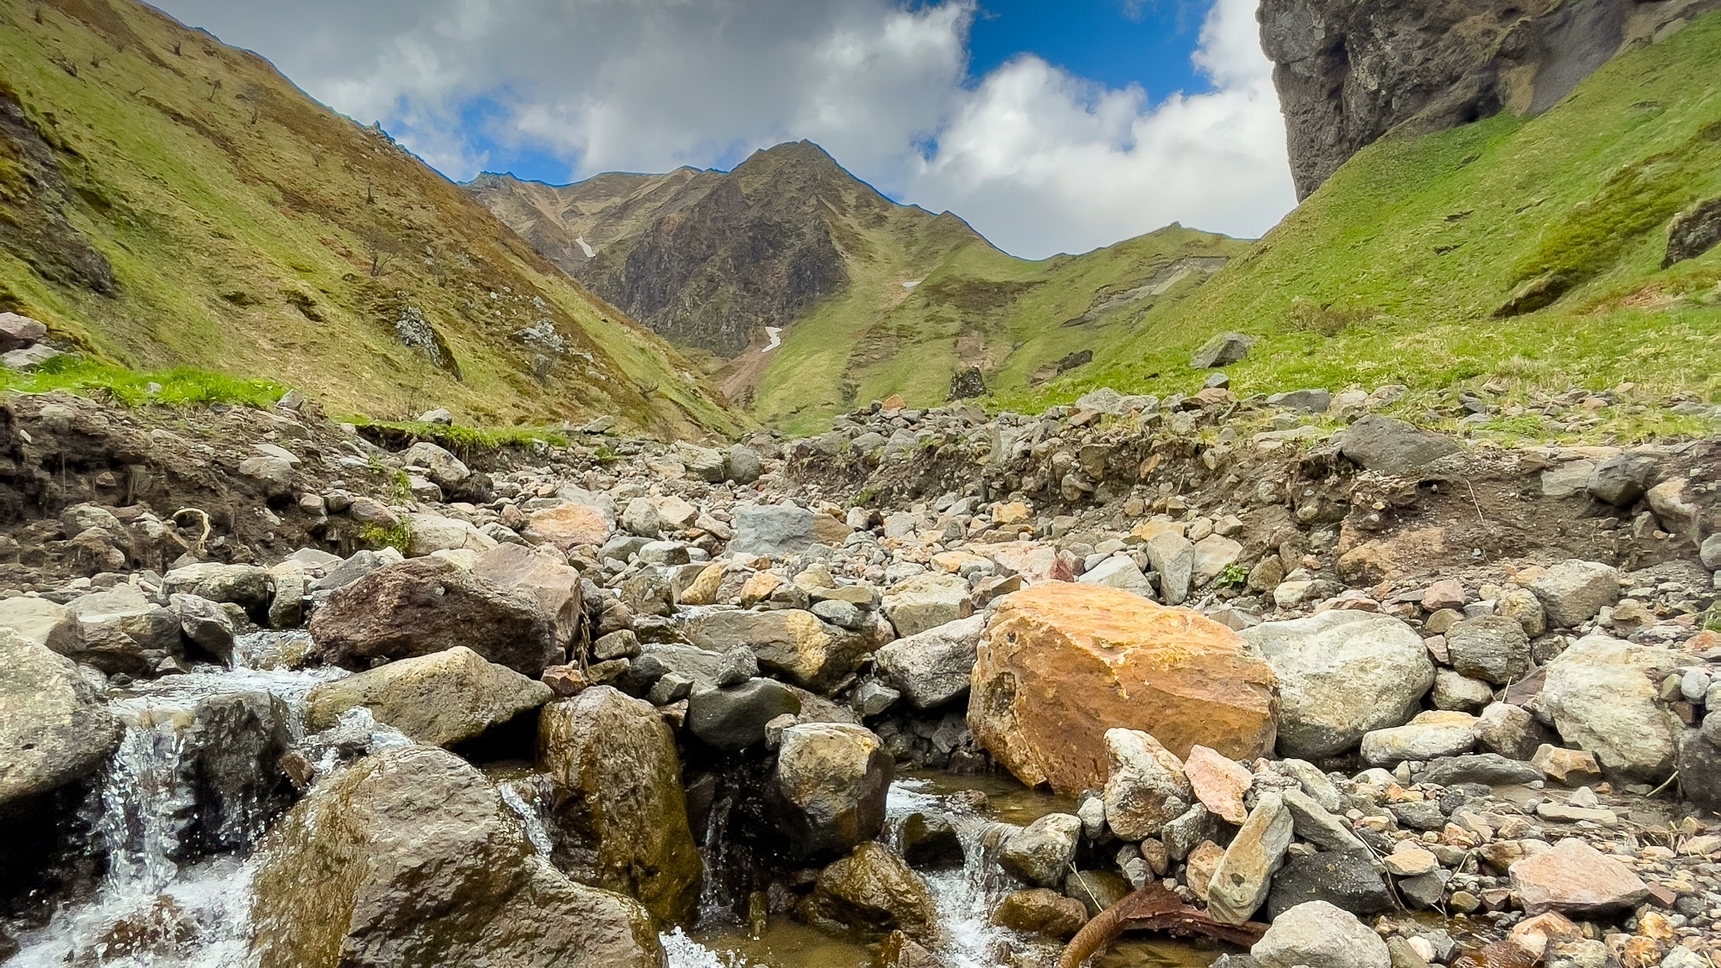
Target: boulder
(1492, 648)
(20, 332)
(440, 466)
(831, 780)
(1693, 232)
(617, 814)
(1222, 350)
(926, 602)
(1041, 911)
(793, 643)
(1173, 557)
(568, 526)
(1491, 769)
(933, 667)
(1120, 572)
(410, 857)
(247, 586)
(439, 699)
(1214, 554)
(120, 630)
(1389, 446)
(545, 579)
(49, 623)
(1600, 697)
(231, 752)
(1317, 934)
(1621, 481)
(429, 605)
(743, 465)
(734, 717)
(1240, 883)
(1700, 764)
(1574, 878)
(1061, 663)
(54, 728)
(1041, 852)
(782, 530)
(872, 892)
(1346, 879)
(1309, 401)
(1573, 591)
(1429, 735)
(1145, 787)
(1509, 730)
(1341, 675)
(431, 533)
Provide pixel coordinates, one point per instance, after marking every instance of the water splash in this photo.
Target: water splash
(531, 821)
(715, 903)
(684, 952)
(964, 896)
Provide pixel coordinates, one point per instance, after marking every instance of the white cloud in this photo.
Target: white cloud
(1038, 160)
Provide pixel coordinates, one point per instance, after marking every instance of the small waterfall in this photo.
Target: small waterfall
(715, 903)
(964, 896)
(531, 820)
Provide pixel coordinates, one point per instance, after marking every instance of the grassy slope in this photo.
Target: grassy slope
(1391, 272)
(973, 305)
(225, 200)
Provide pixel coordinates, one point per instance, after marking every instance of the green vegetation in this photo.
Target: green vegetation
(181, 386)
(398, 537)
(1391, 273)
(460, 440)
(251, 231)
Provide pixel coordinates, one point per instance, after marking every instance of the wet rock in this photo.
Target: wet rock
(1041, 852)
(429, 605)
(1317, 934)
(1429, 735)
(793, 643)
(1061, 663)
(1342, 674)
(734, 718)
(233, 749)
(1600, 697)
(782, 530)
(1244, 876)
(54, 728)
(1145, 786)
(617, 807)
(1575, 879)
(872, 892)
(1390, 446)
(1491, 648)
(411, 855)
(926, 602)
(1041, 911)
(1573, 591)
(930, 842)
(544, 579)
(1096, 890)
(831, 779)
(933, 667)
(1346, 879)
(439, 699)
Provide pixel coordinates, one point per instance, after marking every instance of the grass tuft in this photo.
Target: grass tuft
(178, 387)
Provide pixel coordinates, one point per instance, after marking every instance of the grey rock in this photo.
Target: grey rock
(54, 728)
(1145, 786)
(1222, 350)
(735, 718)
(1186, 832)
(933, 667)
(1601, 697)
(1389, 446)
(1622, 480)
(1346, 879)
(1041, 852)
(1308, 401)
(782, 530)
(1509, 730)
(743, 465)
(1573, 591)
(1244, 875)
(1455, 691)
(1489, 768)
(1317, 934)
(1491, 648)
(831, 780)
(1173, 557)
(1315, 824)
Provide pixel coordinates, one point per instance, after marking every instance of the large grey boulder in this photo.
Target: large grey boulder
(54, 728)
(1317, 934)
(618, 816)
(734, 717)
(410, 857)
(781, 530)
(1145, 786)
(1222, 350)
(1342, 674)
(1491, 648)
(440, 466)
(1600, 695)
(795, 644)
(926, 602)
(1389, 446)
(439, 699)
(831, 780)
(933, 667)
(121, 630)
(1622, 480)
(248, 586)
(1041, 852)
(1573, 591)
(1346, 879)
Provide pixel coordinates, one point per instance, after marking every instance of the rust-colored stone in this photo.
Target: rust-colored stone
(1062, 663)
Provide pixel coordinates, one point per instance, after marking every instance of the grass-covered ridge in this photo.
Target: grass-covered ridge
(178, 387)
(251, 231)
(1393, 270)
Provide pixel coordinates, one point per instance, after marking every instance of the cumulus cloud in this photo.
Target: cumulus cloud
(1037, 159)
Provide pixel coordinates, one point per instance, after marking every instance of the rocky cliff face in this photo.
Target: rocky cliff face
(1348, 72)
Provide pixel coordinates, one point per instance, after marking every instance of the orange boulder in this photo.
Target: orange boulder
(1062, 663)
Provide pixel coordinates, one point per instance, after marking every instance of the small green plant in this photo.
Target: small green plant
(605, 454)
(398, 537)
(863, 497)
(400, 488)
(1232, 576)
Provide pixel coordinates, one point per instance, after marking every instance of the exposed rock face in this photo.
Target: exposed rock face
(409, 858)
(1601, 698)
(1342, 674)
(1062, 663)
(618, 804)
(427, 605)
(832, 779)
(1348, 73)
(439, 699)
(53, 727)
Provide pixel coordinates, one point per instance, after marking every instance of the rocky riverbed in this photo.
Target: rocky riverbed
(1299, 682)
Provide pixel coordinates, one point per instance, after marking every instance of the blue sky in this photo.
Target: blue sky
(1050, 127)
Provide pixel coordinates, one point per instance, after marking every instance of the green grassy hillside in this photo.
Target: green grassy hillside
(971, 305)
(1394, 270)
(168, 201)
